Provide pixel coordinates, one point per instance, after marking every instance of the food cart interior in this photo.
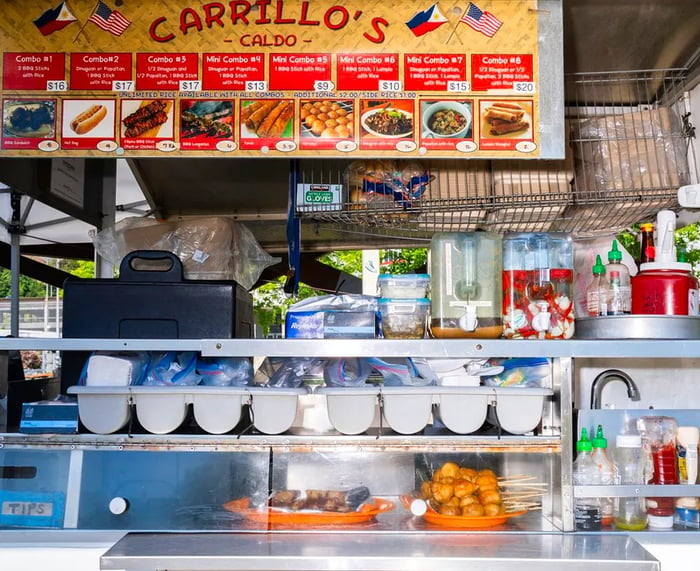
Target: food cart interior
(175, 490)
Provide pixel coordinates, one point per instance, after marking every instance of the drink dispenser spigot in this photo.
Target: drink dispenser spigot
(540, 287)
(465, 284)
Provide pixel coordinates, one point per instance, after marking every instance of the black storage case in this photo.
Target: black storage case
(150, 300)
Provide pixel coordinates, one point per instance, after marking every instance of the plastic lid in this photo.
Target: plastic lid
(403, 277)
(614, 255)
(628, 441)
(683, 266)
(599, 441)
(584, 444)
(688, 436)
(647, 226)
(687, 503)
(407, 300)
(598, 268)
(660, 521)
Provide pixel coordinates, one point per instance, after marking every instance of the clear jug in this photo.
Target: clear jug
(465, 285)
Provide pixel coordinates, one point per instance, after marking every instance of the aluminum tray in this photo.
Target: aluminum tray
(638, 327)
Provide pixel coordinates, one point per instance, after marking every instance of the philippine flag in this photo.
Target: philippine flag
(426, 21)
(55, 19)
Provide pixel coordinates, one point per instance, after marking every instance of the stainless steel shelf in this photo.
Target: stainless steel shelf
(444, 348)
(644, 491)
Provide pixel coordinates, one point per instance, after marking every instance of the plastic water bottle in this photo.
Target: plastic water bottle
(587, 512)
(605, 474)
(620, 288)
(629, 513)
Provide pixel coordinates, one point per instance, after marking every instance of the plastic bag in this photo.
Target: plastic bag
(347, 372)
(520, 372)
(225, 371)
(386, 183)
(290, 372)
(173, 368)
(108, 369)
(212, 247)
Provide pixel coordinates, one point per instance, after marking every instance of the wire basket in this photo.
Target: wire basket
(628, 150)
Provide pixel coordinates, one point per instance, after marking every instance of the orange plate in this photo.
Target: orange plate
(267, 515)
(461, 521)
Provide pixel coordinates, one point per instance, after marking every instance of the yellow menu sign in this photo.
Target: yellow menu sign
(361, 78)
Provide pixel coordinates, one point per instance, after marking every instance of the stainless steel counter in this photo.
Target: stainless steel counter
(378, 552)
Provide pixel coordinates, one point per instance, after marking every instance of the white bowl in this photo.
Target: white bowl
(407, 410)
(217, 410)
(102, 410)
(455, 106)
(351, 410)
(463, 409)
(274, 409)
(160, 410)
(518, 410)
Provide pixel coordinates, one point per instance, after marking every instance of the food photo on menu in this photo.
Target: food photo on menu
(446, 119)
(328, 119)
(147, 118)
(29, 119)
(267, 119)
(88, 118)
(506, 119)
(206, 119)
(387, 119)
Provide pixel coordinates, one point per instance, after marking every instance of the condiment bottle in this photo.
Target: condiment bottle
(659, 444)
(620, 289)
(647, 252)
(629, 513)
(597, 287)
(587, 512)
(605, 474)
(687, 449)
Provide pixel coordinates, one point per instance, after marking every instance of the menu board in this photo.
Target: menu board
(361, 78)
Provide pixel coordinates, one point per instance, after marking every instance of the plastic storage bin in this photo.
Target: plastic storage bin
(411, 286)
(351, 410)
(404, 318)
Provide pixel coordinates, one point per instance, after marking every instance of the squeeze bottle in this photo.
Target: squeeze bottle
(587, 512)
(687, 449)
(605, 474)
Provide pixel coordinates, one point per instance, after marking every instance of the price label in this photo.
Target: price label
(457, 86)
(256, 85)
(325, 85)
(524, 87)
(57, 85)
(166, 146)
(190, 85)
(285, 146)
(122, 86)
(525, 146)
(386, 85)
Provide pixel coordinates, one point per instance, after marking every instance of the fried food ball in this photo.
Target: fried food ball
(303, 114)
(341, 112)
(322, 116)
(468, 474)
(335, 106)
(453, 501)
(468, 500)
(317, 127)
(487, 472)
(448, 470)
(314, 111)
(487, 483)
(307, 106)
(492, 510)
(425, 491)
(463, 488)
(441, 492)
(490, 497)
(450, 510)
(329, 133)
(332, 115)
(342, 131)
(473, 510)
(309, 120)
(331, 123)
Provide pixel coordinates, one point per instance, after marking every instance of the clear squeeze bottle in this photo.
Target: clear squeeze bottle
(620, 288)
(587, 512)
(598, 286)
(605, 474)
(629, 513)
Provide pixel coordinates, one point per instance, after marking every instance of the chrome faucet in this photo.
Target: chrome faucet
(611, 375)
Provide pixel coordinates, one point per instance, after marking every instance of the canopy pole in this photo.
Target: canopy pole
(16, 229)
(108, 189)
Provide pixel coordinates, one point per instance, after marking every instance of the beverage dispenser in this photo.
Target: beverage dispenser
(538, 273)
(465, 285)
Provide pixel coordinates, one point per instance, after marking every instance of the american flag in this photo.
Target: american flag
(112, 21)
(483, 22)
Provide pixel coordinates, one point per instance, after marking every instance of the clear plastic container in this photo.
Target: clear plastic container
(659, 445)
(465, 285)
(404, 318)
(400, 286)
(629, 513)
(618, 274)
(538, 275)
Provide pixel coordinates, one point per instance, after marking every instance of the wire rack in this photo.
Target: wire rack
(628, 151)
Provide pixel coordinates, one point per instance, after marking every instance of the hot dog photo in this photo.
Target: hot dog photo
(507, 119)
(88, 118)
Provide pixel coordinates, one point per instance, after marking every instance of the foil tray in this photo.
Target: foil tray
(638, 327)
